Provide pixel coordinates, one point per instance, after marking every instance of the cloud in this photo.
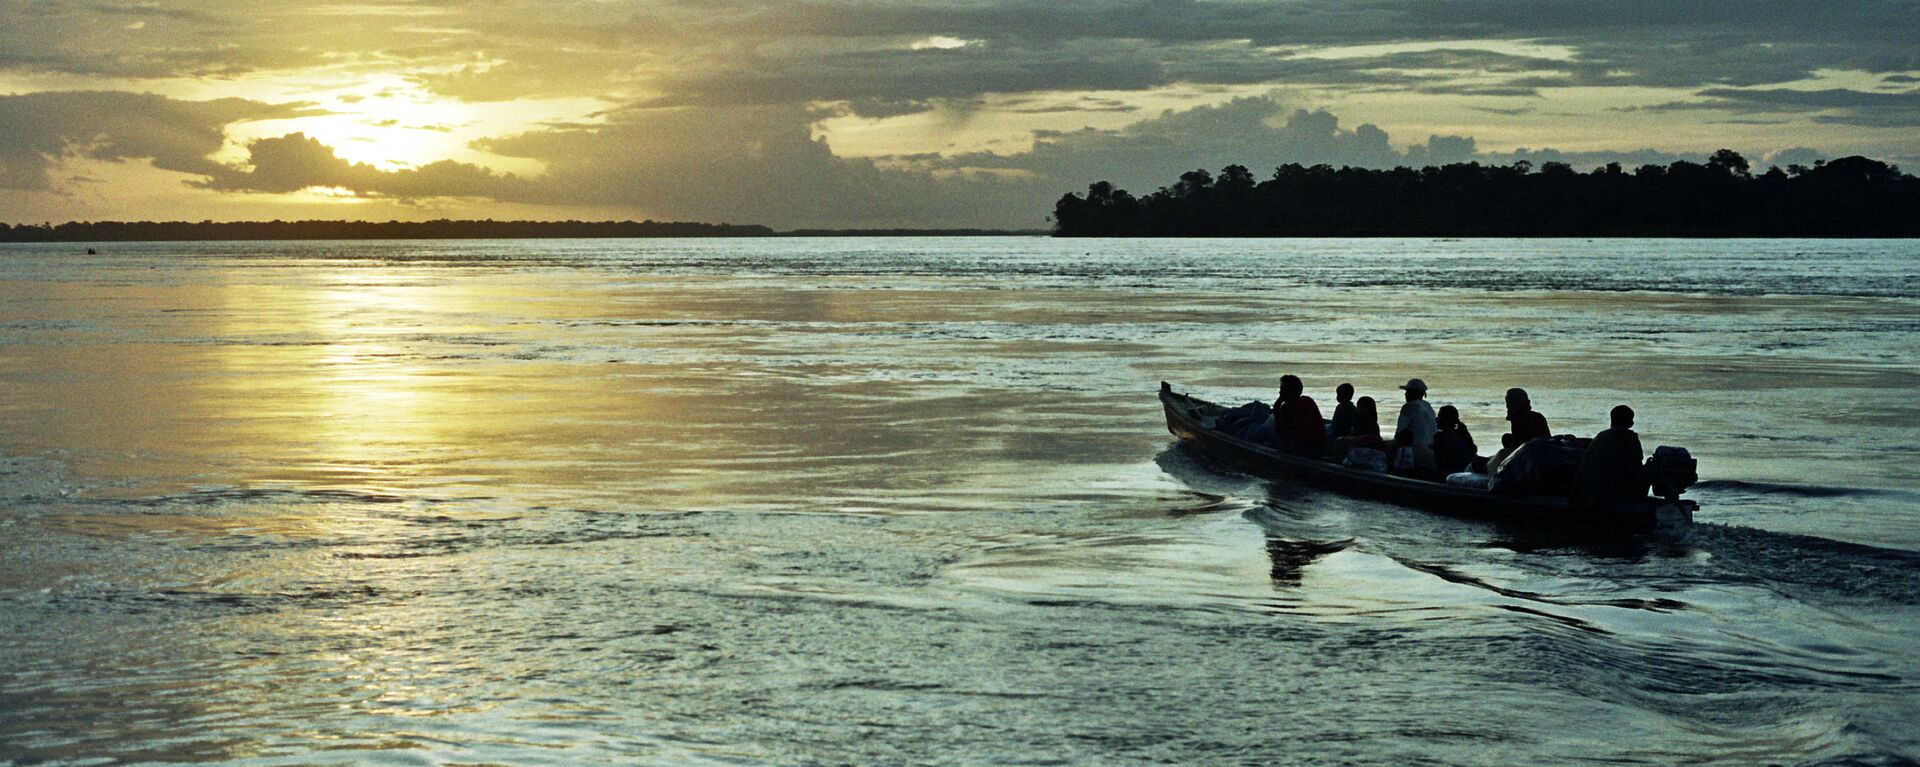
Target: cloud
(1259, 132)
(1831, 105)
(548, 73)
(878, 52)
(763, 165)
(758, 164)
(1032, 105)
(743, 163)
(1590, 159)
(1830, 98)
(44, 129)
(294, 162)
(907, 75)
(97, 40)
(747, 164)
(1443, 150)
(1799, 155)
(1659, 43)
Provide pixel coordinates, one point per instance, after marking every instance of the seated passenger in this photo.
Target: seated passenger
(1610, 471)
(1415, 429)
(1297, 428)
(1453, 448)
(1526, 424)
(1366, 430)
(1343, 414)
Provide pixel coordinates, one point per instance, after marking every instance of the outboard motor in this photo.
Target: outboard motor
(1671, 471)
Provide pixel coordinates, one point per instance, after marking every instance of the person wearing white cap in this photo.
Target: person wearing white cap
(1417, 425)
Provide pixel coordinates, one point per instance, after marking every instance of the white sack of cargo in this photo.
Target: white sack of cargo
(1470, 479)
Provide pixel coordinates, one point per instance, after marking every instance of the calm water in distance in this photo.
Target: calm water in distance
(877, 501)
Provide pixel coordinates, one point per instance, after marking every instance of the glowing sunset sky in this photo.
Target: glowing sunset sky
(891, 113)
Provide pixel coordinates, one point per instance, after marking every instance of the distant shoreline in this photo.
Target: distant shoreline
(262, 231)
(878, 234)
(69, 238)
(65, 238)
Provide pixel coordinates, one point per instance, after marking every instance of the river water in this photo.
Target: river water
(881, 501)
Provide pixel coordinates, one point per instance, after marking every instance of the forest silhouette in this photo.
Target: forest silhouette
(1848, 197)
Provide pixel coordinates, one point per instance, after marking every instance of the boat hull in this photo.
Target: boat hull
(1189, 419)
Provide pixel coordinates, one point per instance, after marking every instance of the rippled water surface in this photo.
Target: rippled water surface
(874, 501)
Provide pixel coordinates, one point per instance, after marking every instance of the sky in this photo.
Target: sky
(883, 113)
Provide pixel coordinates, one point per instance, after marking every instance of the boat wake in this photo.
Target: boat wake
(1773, 488)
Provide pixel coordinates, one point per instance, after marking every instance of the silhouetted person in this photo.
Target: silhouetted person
(1453, 447)
(1610, 470)
(1366, 430)
(1343, 412)
(1524, 423)
(1417, 425)
(1366, 418)
(1297, 428)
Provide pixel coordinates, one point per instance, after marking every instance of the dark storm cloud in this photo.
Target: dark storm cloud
(755, 53)
(1436, 70)
(899, 75)
(148, 11)
(1024, 47)
(902, 81)
(38, 131)
(1044, 21)
(1650, 37)
(1830, 98)
(1548, 17)
(1831, 105)
(1056, 106)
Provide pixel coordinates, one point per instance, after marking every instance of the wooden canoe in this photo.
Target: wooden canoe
(1192, 420)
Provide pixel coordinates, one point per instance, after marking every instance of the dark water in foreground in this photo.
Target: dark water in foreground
(890, 501)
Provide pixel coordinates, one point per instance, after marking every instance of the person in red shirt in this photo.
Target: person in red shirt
(1297, 427)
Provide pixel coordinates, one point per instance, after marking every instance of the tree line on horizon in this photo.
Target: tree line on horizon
(1847, 197)
(442, 229)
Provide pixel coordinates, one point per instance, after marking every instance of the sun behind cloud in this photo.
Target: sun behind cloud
(391, 122)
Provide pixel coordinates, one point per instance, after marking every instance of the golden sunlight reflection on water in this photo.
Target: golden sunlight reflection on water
(537, 386)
